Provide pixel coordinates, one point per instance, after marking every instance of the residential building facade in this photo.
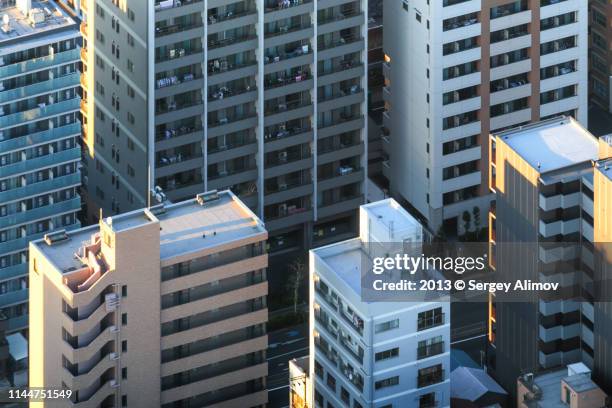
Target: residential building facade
(39, 139)
(181, 324)
(458, 70)
(542, 228)
(265, 97)
(374, 354)
(600, 53)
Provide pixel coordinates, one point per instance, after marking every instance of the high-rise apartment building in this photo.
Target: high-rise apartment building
(602, 232)
(458, 70)
(39, 138)
(161, 307)
(265, 97)
(374, 354)
(600, 53)
(542, 229)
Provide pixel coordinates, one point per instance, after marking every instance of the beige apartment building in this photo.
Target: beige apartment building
(159, 307)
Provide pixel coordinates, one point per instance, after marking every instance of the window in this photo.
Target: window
(123, 291)
(331, 382)
(124, 400)
(430, 318)
(405, 5)
(345, 396)
(385, 326)
(124, 373)
(418, 17)
(124, 346)
(387, 382)
(386, 354)
(124, 319)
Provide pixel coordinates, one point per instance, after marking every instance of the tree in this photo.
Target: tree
(467, 222)
(297, 269)
(476, 213)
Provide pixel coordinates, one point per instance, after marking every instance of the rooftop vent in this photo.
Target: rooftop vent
(6, 24)
(207, 197)
(55, 237)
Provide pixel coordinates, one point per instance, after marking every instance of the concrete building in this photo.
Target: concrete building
(266, 97)
(39, 139)
(300, 384)
(376, 354)
(600, 53)
(541, 228)
(459, 70)
(376, 82)
(569, 387)
(161, 307)
(602, 192)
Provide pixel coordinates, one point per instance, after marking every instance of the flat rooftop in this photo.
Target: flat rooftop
(386, 219)
(222, 221)
(552, 144)
(185, 227)
(20, 24)
(550, 386)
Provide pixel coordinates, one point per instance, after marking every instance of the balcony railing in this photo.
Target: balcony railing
(430, 350)
(431, 378)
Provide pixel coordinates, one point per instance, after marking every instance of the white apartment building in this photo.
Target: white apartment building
(458, 70)
(377, 354)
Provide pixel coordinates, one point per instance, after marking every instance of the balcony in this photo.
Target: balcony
(45, 136)
(430, 350)
(341, 205)
(229, 46)
(40, 63)
(345, 45)
(39, 113)
(278, 10)
(288, 192)
(36, 163)
(430, 378)
(223, 22)
(47, 211)
(430, 322)
(291, 218)
(45, 87)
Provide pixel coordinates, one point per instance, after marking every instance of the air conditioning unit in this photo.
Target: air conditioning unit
(506, 34)
(282, 186)
(456, 96)
(456, 121)
(506, 108)
(556, 46)
(282, 156)
(114, 384)
(456, 72)
(113, 356)
(282, 209)
(456, 47)
(506, 83)
(557, 21)
(506, 59)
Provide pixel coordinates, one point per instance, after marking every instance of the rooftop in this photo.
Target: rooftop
(548, 386)
(470, 384)
(44, 16)
(552, 144)
(185, 227)
(388, 225)
(221, 221)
